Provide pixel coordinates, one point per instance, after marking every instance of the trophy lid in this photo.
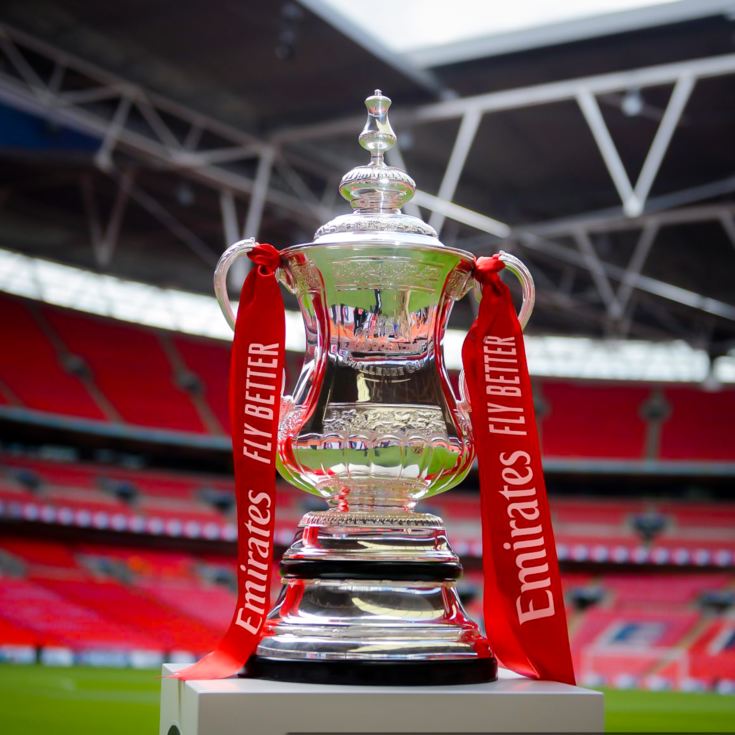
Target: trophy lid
(376, 191)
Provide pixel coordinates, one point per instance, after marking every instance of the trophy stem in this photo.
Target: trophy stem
(367, 500)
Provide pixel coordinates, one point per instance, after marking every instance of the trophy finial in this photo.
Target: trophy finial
(377, 136)
(377, 187)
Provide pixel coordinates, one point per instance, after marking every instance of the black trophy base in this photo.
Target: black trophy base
(375, 673)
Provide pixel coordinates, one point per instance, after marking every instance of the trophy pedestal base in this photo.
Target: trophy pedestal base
(375, 673)
(510, 704)
(371, 598)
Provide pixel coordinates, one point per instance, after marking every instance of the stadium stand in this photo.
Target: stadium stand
(57, 621)
(654, 630)
(649, 580)
(89, 367)
(199, 506)
(85, 599)
(645, 630)
(712, 654)
(42, 483)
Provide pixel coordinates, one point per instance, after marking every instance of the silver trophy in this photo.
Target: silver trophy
(373, 427)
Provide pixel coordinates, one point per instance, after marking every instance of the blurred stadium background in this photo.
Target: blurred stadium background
(594, 139)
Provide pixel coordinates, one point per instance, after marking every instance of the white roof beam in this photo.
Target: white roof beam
(598, 273)
(670, 121)
(636, 263)
(608, 151)
(462, 145)
(522, 97)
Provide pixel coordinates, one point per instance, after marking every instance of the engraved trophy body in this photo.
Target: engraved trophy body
(373, 427)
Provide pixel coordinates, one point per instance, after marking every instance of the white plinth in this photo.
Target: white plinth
(260, 707)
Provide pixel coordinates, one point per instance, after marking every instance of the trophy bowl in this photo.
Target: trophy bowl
(373, 426)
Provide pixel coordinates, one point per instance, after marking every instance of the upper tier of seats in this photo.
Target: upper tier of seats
(32, 372)
(66, 363)
(130, 368)
(602, 421)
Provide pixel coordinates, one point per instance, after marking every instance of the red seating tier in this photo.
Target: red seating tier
(617, 666)
(131, 607)
(704, 515)
(135, 375)
(157, 565)
(12, 634)
(661, 590)
(209, 604)
(131, 368)
(602, 421)
(30, 368)
(40, 553)
(700, 425)
(153, 483)
(52, 472)
(612, 512)
(647, 626)
(710, 659)
(599, 624)
(59, 621)
(211, 362)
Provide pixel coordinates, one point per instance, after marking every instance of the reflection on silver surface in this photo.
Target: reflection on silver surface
(373, 417)
(371, 537)
(369, 620)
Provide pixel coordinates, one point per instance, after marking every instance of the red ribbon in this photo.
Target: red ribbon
(256, 370)
(525, 618)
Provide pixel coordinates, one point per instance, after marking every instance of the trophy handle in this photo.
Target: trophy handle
(242, 247)
(528, 291)
(237, 250)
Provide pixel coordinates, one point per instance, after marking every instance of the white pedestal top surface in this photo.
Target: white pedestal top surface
(263, 707)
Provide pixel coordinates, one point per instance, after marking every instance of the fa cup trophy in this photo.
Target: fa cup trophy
(373, 427)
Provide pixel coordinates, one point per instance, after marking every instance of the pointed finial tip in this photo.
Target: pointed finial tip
(377, 136)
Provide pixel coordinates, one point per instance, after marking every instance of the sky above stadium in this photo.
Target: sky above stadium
(432, 32)
(433, 22)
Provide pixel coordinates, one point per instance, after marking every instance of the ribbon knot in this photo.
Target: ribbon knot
(486, 268)
(266, 257)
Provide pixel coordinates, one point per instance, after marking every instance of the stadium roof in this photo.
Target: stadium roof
(138, 140)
